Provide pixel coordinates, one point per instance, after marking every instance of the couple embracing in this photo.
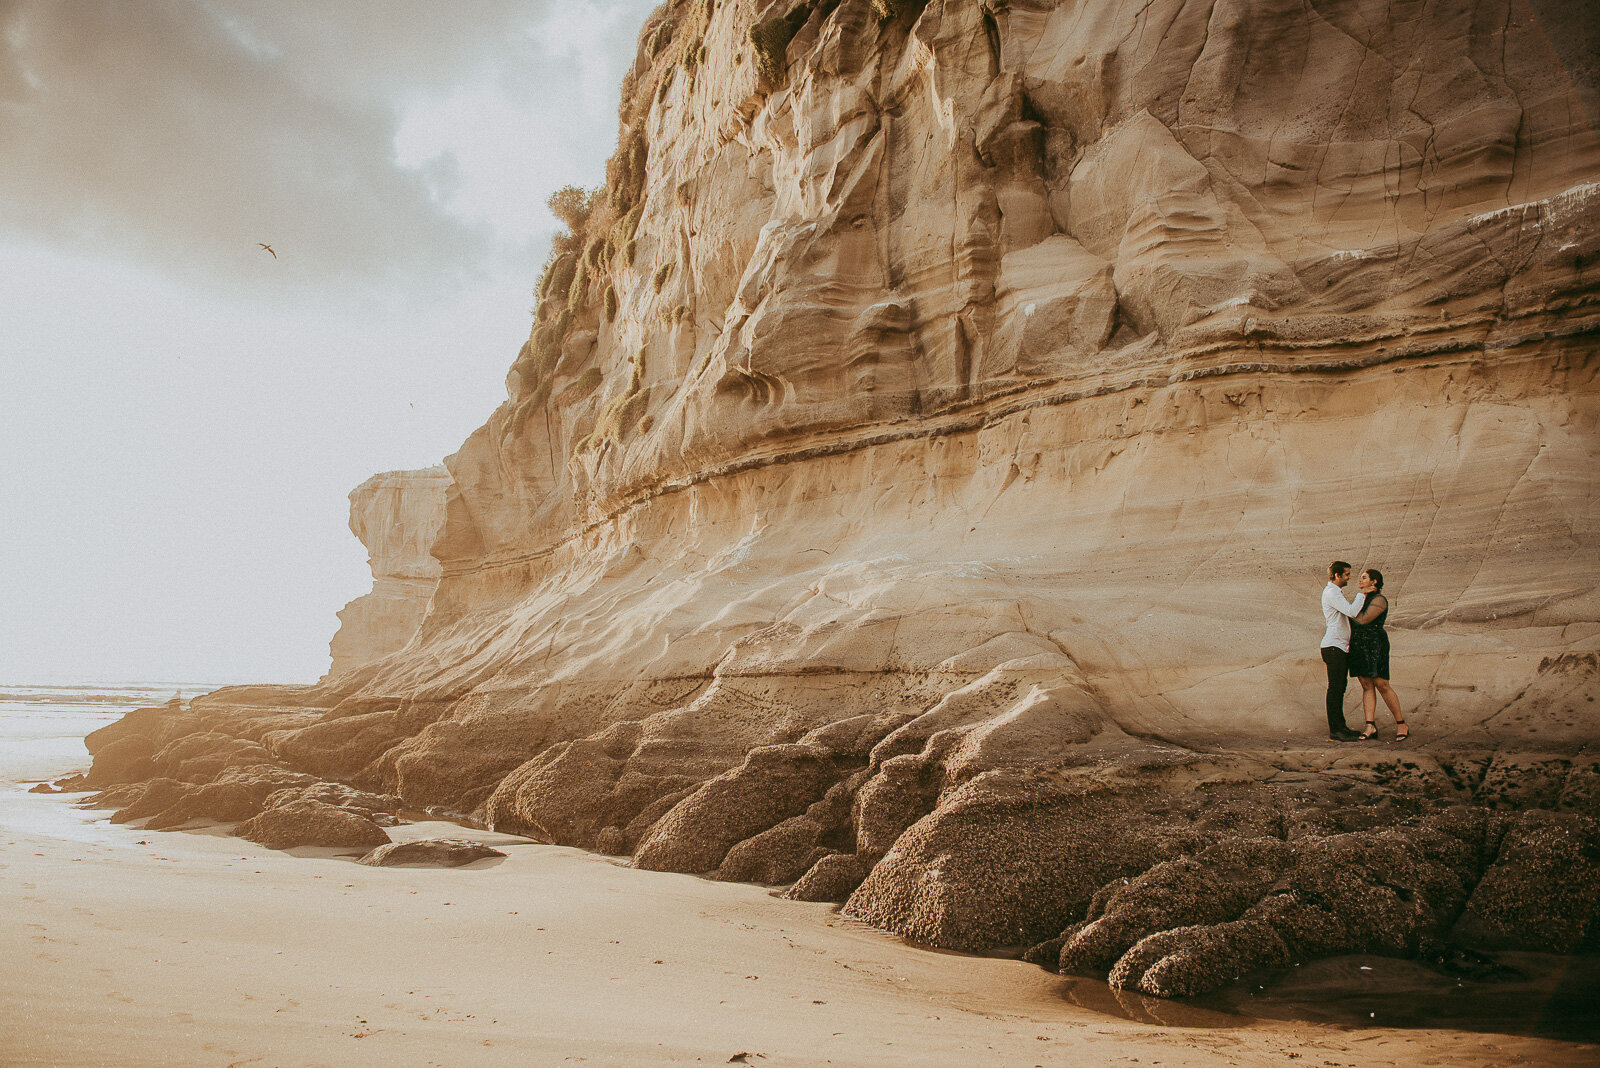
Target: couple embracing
(1355, 644)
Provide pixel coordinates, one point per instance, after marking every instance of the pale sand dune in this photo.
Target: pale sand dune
(126, 947)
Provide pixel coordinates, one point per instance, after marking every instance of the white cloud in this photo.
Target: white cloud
(380, 145)
(186, 414)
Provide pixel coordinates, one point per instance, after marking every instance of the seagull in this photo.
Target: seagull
(269, 249)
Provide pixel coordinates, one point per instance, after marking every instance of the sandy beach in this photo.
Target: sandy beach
(129, 947)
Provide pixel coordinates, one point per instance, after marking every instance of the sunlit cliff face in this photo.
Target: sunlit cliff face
(923, 469)
(968, 324)
(912, 217)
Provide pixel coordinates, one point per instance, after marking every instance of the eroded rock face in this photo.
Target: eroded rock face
(430, 853)
(396, 515)
(307, 822)
(208, 762)
(921, 473)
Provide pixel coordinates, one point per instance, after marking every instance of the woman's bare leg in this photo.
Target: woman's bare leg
(1390, 698)
(1369, 705)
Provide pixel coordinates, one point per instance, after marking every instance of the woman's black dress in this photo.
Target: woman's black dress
(1369, 647)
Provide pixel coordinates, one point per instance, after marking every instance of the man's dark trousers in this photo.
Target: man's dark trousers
(1338, 677)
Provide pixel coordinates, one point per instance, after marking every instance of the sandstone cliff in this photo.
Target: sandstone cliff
(918, 482)
(396, 515)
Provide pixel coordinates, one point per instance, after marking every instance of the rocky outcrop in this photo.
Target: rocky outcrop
(210, 765)
(306, 822)
(920, 475)
(396, 515)
(430, 853)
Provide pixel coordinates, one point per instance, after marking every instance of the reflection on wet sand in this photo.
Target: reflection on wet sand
(1528, 994)
(1096, 996)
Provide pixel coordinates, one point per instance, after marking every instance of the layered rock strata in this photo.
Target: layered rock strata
(396, 515)
(917, 484)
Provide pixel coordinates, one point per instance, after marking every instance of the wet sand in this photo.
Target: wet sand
(127, 947)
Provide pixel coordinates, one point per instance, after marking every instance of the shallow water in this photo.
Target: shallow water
(42, 727)
(1541, 995)
(1537, 994)
(41, 739)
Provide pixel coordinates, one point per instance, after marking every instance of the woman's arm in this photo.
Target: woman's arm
(1376, 604)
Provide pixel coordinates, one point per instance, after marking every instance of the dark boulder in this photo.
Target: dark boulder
(305, 822)
(430, 853)
(832, 878)
(774, 783)
(379, 808)
(1542, 892)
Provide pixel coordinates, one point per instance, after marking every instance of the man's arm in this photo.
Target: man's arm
(1332, 598)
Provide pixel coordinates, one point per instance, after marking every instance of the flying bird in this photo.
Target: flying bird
(269, 249)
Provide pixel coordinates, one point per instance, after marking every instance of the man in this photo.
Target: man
(1336, 645)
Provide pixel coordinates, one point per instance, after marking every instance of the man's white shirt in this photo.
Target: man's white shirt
(1338, 612)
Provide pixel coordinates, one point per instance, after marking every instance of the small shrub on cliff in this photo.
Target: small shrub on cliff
(660, 39)
(542, 351)
(619, 417)
(580, 387)
(656, 38)
(546, 349)
(627, 226)
(534, 401)
(887, 10)
(672, 316)
(609, 303)
(625, 174)
(623, 413)
(580, 286)
(558, 278)
(660, 278)
(573, 205)
(771, 39)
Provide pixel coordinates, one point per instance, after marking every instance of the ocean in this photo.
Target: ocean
(42, 727)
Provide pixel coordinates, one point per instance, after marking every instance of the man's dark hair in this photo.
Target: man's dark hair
(1337, 568)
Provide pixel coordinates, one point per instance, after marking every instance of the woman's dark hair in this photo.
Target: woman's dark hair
(1377, 577)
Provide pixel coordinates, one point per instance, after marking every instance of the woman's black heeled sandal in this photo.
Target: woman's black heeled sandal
(1402, 732)
(1370, 733)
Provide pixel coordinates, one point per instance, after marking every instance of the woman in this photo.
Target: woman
(1369, 656)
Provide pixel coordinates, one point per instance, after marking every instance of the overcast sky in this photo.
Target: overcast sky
(181, 414)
